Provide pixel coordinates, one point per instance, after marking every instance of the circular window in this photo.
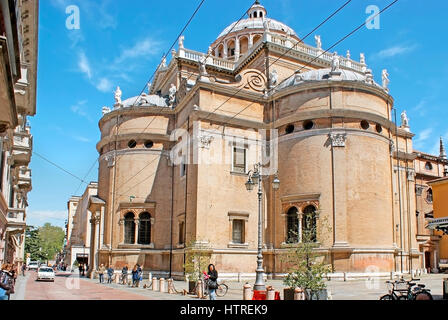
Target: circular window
(132, 144)
(149, 144)
(289, 129)
(308, 125)
(379, 128)
(365, 125)
(428, 166)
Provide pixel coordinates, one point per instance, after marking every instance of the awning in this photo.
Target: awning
(440, 224)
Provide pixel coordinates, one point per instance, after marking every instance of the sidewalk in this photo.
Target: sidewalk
(20, 287)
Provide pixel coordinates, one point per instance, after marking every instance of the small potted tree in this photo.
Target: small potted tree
(308, 265)
(197, 258)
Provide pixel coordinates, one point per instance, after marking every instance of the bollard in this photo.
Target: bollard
(391, 275)
(117, 278)
(239, 277)
(247, 292)
(162, 285)
(270, 293)
(171, 286)
(299, 294)
(154, 284)
(345, 276)
(200, 293)
(150, 276)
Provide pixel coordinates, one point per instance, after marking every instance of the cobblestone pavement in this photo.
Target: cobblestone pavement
(71, 287)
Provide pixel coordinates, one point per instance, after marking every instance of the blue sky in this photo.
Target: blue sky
(121, 43)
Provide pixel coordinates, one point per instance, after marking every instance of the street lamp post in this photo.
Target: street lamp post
(255, 177)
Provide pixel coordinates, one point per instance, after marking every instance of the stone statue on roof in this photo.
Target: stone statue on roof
(274, 78)
(181, 42)
(404, 119)
(335, 63)
(172, 94)
(318, 42)
(118, 95)
(385, 76)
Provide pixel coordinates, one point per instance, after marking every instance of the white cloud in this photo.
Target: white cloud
(80, 110)
(40, 217)
(81, 139)
(104, 85)
(84, 66)
(143, 48)
(395, 51)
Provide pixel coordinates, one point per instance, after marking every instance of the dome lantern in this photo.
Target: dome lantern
(257, 11)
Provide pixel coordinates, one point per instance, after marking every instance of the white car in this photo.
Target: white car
(33, 266)
(45, 273)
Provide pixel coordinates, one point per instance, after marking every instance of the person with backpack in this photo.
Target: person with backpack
(6, 282)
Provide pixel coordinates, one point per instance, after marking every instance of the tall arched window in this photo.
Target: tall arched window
(309, 232)
(292, 226)
(144, 229)
(429, 195)
(129, 228)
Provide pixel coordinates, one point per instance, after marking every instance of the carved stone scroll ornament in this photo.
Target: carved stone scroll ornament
(251, 79)
(338, 139)
(205, 141)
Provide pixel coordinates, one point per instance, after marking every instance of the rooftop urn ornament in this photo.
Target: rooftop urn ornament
(210, 51)
(117, 95)
(172, 94)
(318, 41)
(386, 80)
(106, 110)
(173, 53)
(163, 62)
(404, 120)
(369, 76)
(348, 54)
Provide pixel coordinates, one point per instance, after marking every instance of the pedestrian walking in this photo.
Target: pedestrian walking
(7, 282)
(23, 269)
(135, 276)
(212, 281)
(110, 274)
(81, 267)
(140, 274)
(124, 275)
(101, 271)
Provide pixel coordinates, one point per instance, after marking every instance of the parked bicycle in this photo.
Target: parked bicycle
(221, 291)
(407, 290)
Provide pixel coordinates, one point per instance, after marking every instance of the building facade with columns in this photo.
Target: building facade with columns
(174, 161)
(18, 74)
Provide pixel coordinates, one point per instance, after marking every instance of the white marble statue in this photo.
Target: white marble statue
(181, 42)
(362, 58)
(164, 62)
(386, 80)
(202, 64)
(266, 25)
(149, 85)
(274, 78)
(335, 63)
(118, 95)
(172, 93)
(210, 51)
(369, 76)
(404, 119)
(348, 54)
(173, 53)
(318, 42)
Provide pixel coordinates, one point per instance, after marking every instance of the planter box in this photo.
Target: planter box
(317, 295)
(288, 294)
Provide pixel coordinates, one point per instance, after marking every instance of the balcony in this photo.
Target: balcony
(16, 218)
(22, 147)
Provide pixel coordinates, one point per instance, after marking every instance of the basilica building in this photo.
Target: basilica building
(174, 162)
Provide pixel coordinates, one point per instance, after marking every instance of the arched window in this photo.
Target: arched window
(144, 229)
(309, 232)
(429, 195)
(292, 226)
(428, 166)
(129, 228)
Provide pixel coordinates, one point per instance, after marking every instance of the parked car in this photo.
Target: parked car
(45, 273)
(33, 265)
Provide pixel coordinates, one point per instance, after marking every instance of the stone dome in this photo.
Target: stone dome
(258, 23)
(323, 75)
(145, 100)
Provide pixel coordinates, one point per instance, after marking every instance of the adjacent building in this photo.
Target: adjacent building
(78, 231)
(18, 74)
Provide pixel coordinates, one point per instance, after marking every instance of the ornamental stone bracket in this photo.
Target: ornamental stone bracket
(338, 139)
(205, 141)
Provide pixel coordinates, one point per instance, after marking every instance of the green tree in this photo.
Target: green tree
(309, 265)
(33, 244)
(197, 258)
(51, 240)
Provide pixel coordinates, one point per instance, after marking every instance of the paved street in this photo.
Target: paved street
(71, 287)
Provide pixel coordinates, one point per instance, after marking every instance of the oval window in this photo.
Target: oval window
(365, 125)
(289, 129)
(149, 144)
(379, 128)
(132, 144)
(308, 125)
